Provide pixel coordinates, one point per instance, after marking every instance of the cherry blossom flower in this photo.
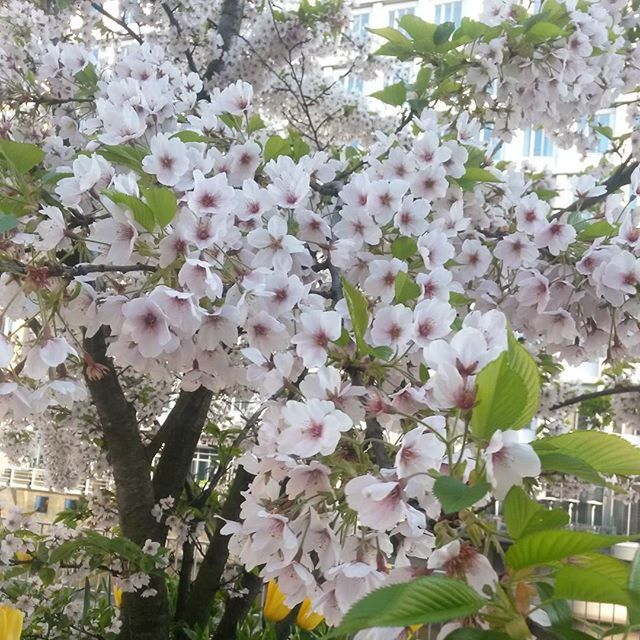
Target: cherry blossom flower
(314, 427)
(211, 196)
(379, 504)
(168, 160)
(147, 325)
(432, 320)
(319, 328)
(460, 560)
(392, 327)
(275, 245)
(47, 355)
(382, 278)
(198, 277)
(510, 459)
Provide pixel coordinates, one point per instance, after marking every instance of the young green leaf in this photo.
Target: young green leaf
(162, 202)
(358, 312)
(544, 547)
(607, 453)
(404, 247)
(394, 94)
(455, 495)
(405, 288)
(594, 578)
(508, 392)
(22, 156)
(423, 601)
(523, 515)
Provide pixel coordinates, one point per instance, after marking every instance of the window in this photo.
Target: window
(70, 503)
(536, 143)
(395, 14)
(41, 504)
(201, 464)
(359, 25)
(449, 12)
(355, 84)
(494, 148)
(603, 143)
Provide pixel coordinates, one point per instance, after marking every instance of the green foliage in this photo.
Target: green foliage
(544, 547)
(508, 392)
(20, 156)
(594, 578)
(394, 94)
(476, 634)
(404, 247)
(358, 312)
(422, 601)
(158, 209)
(126, 155)
(405, 288)
(7, 222)
(597, 229)
(455, 495)
(604, 452)
(293, 146)
(522, 515)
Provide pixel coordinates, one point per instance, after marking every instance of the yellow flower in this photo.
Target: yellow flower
(274, 607)
(10, 622)
(23, 556)
(307, 618)
(117, 596)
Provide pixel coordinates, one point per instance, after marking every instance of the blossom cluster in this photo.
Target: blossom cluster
(357, 320)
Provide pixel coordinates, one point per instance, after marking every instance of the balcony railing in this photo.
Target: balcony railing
(37, 480)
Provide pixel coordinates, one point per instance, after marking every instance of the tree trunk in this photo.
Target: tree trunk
(143, 618)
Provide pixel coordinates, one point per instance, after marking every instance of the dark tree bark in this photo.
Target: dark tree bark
(237, 608)
(207, 583)
(143, 618)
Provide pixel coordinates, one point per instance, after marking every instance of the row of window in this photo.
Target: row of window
(41, 504)
(444, 12)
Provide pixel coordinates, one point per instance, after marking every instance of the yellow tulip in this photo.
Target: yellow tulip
(117, 596)
(23, 556)
(308, 619)
(10, 622)
(274, 607)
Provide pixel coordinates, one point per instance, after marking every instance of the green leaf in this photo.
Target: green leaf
(162, 202)
(607, 453)
(405, 288)
(423, 601)
(393, 35)
(442, 32)
(382, 353)
(142, 213)
(634, 589)
(508, 392)
(544, 31)
(544, 547)
(394, 94)
(478, 174)
(458, 300)
(455, 495)
(417, 28)
(358, 312)
(523, 515)
(476, 634)
(255, 123)
(7, 222)
(22, 156)
(593, 578)
(598, 229)
(190, 136)
(404, 247)
(126, 155)
(553, 462)
(276, 146)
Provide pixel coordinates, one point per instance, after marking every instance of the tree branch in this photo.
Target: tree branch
(619, 178)
(182, 430)
(100, 9)
(634, 388)
(231, 14)
(207, 582)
